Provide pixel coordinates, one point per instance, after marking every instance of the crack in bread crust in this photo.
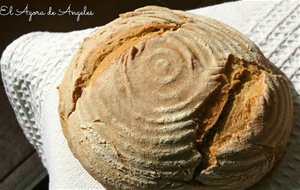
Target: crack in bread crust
(238, 73)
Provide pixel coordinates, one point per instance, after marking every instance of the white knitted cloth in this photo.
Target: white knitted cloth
(33, 65)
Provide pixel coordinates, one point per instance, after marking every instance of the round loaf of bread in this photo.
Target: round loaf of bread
(162, 99)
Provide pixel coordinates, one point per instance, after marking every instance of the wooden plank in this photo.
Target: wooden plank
(26, 176)
(14, 147)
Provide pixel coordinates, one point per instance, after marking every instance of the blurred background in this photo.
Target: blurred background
(20, 167)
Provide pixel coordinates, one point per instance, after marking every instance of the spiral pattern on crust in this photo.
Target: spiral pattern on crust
(161, 99)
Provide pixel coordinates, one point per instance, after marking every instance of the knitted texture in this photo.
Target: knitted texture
(27, 78)
(33, 66)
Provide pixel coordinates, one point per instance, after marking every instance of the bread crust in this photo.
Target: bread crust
(162, 99)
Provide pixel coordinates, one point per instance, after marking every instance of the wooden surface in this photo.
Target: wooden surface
(17, 156)
(14, 147)
(26, 176)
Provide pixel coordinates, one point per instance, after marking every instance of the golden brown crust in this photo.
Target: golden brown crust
(162, 99)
